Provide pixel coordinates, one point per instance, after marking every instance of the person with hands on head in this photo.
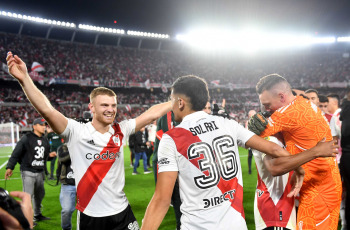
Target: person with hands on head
(211, 191)
(95, 149)
(10, 222)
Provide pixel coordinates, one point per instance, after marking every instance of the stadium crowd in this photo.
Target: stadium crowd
(73, 103)
(111, 65)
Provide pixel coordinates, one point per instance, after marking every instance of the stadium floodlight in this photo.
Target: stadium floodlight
(100, 29)
(36, 19)
(320, 40)
(248, 40)
(147, 34)
(343, 39)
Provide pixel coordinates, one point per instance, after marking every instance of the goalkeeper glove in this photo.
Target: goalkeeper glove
(257, 123)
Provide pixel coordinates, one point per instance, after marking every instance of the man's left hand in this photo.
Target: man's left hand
(257, 123)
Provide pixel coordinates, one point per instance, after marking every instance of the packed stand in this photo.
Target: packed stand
(118, 67)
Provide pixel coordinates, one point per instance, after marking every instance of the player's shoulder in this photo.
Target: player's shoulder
(129, 123)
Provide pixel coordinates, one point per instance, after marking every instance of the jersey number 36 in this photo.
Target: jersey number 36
(221, 162)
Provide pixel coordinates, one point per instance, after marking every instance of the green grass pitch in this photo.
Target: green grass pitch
(139, 190)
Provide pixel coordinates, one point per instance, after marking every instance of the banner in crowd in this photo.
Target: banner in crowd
(37, 67)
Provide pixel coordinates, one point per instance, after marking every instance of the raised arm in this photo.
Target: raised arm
(152, 114)
(18, 70)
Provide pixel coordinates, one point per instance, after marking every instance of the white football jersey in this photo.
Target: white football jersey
(204, 150)
(272, 207)
(98, 164)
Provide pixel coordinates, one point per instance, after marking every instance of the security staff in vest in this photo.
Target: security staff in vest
(32, 152)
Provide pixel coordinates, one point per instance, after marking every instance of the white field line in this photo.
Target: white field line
(1, 166)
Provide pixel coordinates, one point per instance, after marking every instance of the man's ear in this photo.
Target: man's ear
(91, 107)
(282, 97)
(181, 103)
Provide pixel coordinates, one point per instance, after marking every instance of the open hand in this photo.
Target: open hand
(17, 67)
(326, 149)
(296, 182)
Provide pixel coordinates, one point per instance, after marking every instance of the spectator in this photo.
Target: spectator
(345, 159)
(32, 152)
(312, 94)
(323, 105)
(65, 175)
(141, 143)
(55, 141)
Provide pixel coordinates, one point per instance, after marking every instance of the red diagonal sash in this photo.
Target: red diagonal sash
(94, 175)
(270, 212)
(183, 139)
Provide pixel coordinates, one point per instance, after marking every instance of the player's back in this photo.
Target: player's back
(210, 174)
(272, 207)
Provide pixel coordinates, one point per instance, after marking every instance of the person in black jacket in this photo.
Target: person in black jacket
(141, 144)
(32, 152)
(345, 158)
(65, 175)
(132, 149)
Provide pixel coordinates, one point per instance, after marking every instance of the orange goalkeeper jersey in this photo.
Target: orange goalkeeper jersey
(303, 126)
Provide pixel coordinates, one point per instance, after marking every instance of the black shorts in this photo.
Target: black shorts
(121, 221)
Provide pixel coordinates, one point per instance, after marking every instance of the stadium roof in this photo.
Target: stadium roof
(178, 16)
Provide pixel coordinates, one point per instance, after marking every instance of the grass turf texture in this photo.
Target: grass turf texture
(139, 190)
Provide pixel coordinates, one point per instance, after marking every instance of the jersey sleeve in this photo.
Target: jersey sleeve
(335, 129)
(17, 153)
(167, 161)
(243, 134)
(74, 128)
(276, 124)
(128, 128)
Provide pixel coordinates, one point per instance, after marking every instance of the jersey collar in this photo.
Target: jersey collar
(195, 115)
(92, 128)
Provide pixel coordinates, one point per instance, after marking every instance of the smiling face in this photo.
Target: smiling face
(104, 109)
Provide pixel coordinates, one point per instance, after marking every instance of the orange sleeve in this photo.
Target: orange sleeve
(277, 123)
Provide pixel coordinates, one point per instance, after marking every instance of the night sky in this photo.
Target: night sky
(326, 17)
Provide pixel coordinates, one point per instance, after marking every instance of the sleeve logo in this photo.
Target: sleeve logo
(163, 161)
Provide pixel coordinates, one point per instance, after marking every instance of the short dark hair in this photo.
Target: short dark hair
(335, 96)
(312, 91)
(193, 87)
(267, 82)
(322, 98)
